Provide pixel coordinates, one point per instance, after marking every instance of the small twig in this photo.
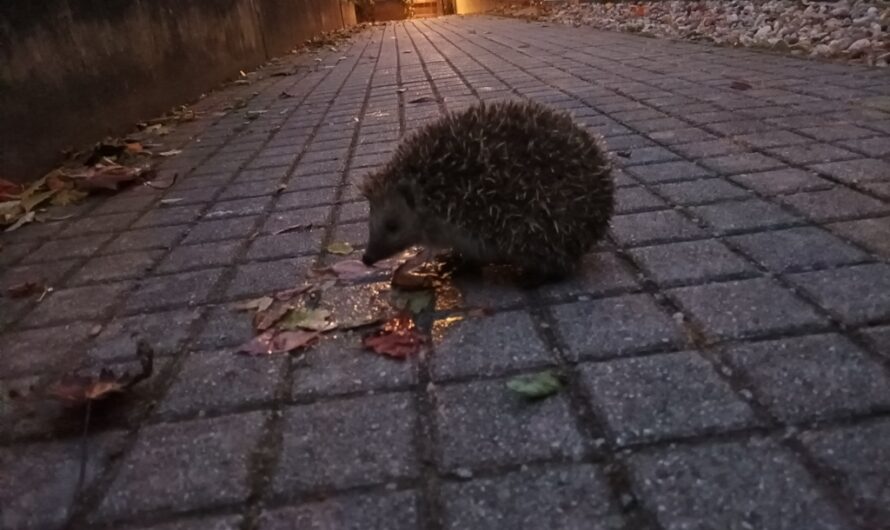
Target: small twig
(168, 186)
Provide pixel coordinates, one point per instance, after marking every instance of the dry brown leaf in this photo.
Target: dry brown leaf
(349, 270)
(288, 294)
(408, 278)
(104, 176)
(73, 389)
(271, 342)
(267, 318)
(257, 304)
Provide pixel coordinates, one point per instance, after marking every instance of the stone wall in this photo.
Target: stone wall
(72, 71)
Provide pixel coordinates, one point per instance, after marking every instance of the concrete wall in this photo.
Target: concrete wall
(72, 71)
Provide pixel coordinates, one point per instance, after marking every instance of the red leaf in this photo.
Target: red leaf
(264, 320)
(397, 338)
(352, 270)
(9, 190)
(269, 342)
(104, 176)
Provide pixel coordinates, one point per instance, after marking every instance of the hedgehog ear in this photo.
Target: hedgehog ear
(405, 191)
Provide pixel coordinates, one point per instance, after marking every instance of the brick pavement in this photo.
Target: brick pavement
(727, 349)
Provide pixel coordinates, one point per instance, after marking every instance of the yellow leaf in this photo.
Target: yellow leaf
(340, 248)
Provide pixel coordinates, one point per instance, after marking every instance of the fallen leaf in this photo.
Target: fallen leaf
(402, 90)
(740, 85)
(406, 277)
(267, 318)
(25, 289)
(293, 228)
(340, 248)
(639, 10)
(281, 188)
(172, 152)
(9, 190)
(73, 389)
(285, 95)
(309, 319)
(257, 304)
(288, 294)
(422, 99)
(350, 270)
(134, 147)
(104, 176)
(623, 154)
(22, 221)
(271, 342)
(397, 338)
(65, 197)
(414, 302)
(167, 202)
(536, 386)
(480, 312)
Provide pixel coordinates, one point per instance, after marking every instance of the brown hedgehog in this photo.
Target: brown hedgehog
(504, 183)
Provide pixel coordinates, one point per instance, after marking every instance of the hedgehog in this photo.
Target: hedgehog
(509, 183)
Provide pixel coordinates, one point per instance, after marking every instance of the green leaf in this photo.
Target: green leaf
(340, 248)
(413, 301)
(536, 386)
(311, 319)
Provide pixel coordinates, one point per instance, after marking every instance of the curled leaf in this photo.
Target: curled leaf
(340, 248)
(73, 389)
(349, 270)
(271, 342)
(268, 317)
(257, 304)
(536, 386)
(309, 319)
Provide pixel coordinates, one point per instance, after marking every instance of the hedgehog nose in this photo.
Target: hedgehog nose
(367, 259)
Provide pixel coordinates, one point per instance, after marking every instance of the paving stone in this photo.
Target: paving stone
(492, 289)
(172, 215)
(45, 476)
(837, 132)
(860, 456)
(647, 155)
(663, 396)
(393, 511)
(223, 327)
(305, 198)
(788, 180)
(206, 231)
(797, 248)
(746, 308)
(266, 277)
(484, 424)
(879, 189)
(486, 346)
(289, 219)
(668, 172)
(285, 245)
(873, 234)
(836, 204)
(230, 522)
(880, 338)
(48, 273)
(855, 171)
(774, 138)
(165, 331)
(691, 261)
(804, 154)
(753, 484)
(741, 216)
(741, 163)
(356, 234)
(184, 466)
(256, 188)
(11, 253)
(654, 227)
(221, 382)
(33, 232)
(600, 273)
(812, 377)
(237, 208)
(201, 256)
(339, 365)
(709, 148)
(681, 136)
(554, 497)
(75, 247)
(354, 211)
(347, 443)
(37, 350)
(856, 294)
(623, 325)
(700, 191)
(116, 267)
(98, 224)
(874, 147)
(636, 199)
(146, 238)
(187, 288)
(71, 304)
(192, 196)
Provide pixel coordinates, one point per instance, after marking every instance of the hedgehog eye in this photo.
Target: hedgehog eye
(391, 226)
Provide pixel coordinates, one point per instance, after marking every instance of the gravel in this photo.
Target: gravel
(856, 32)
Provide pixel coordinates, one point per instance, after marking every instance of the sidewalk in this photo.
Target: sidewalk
(727, 351)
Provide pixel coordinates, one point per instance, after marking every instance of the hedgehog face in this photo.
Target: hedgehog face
(393, 225)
